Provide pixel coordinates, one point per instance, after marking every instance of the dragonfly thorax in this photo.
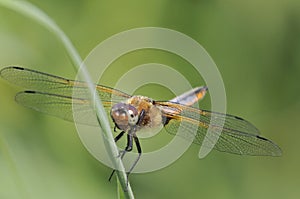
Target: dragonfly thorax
(151, 118)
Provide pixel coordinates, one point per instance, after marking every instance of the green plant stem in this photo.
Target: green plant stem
(39, 16)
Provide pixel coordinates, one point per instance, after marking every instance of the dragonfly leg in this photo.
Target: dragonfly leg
(127, 149)
(128, 146)
(139, 149)
(119, 136)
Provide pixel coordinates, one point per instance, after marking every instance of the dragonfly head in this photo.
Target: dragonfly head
(124, 115)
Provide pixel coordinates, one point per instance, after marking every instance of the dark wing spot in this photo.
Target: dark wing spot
(19, 68)
(30, 92)
(239, 118)
(262, 138)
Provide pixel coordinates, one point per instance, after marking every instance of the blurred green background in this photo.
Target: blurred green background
(256, 46)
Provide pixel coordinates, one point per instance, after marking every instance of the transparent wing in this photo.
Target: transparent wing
(61, 106)
(46, 83)
(53, 95)
(237, 135)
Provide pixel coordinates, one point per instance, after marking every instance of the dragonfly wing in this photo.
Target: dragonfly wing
(47, 83)
(61, 106)
(230, 122)
(236, 136)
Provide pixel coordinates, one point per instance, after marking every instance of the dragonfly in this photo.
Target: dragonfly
(129, 114)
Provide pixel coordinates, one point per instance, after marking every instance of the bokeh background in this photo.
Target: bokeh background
(256, 46)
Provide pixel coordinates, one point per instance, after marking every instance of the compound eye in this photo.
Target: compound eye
(120, 116)
(133, 116)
